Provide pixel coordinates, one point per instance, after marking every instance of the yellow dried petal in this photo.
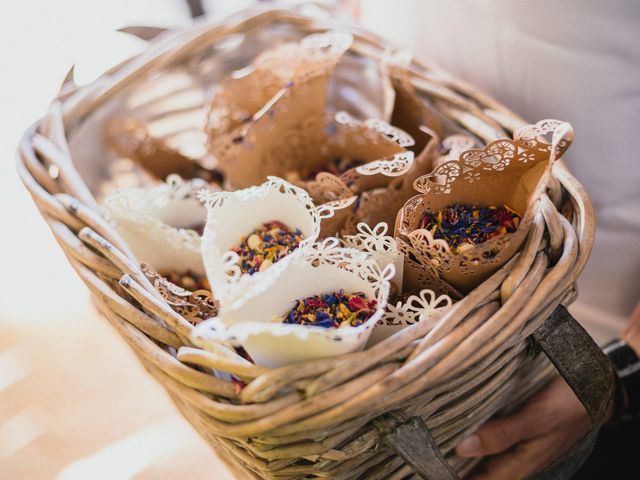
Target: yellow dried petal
(254, 242)
(264, 265)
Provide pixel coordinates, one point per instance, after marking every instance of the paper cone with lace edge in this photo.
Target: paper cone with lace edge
(262, 123)
(159, 223)
(379, 149)
(411, 115)
(505, 172)
(382, 158)
(255, 319)
(232, 216)
(129, 137)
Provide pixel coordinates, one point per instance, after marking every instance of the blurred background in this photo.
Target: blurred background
(74, 402)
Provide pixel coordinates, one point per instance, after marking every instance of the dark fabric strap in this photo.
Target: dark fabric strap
(414, 443)
(588, 372)
(579, 360)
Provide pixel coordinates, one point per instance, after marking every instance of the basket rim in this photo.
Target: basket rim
(341, 394)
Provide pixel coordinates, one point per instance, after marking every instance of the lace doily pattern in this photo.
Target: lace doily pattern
(372, 240)
(160, 223)
(194, 306)
(255, 114)
(381, 247)
(527, 148)
(426, 306)
(252, 320)
(452, 147)
(505, 172)
(232, 215)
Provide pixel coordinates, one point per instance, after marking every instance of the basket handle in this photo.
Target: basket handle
(414, 443)
(588, 372)
(580, 362)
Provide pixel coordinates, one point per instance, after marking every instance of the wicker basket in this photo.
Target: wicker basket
(374, 414)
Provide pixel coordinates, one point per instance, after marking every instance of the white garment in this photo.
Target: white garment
(574, 60)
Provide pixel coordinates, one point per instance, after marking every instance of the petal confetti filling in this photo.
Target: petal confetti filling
(463, 226)
(332, 310)
(188, 280)
(267, 244)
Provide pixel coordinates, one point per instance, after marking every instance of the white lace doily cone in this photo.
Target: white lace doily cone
(505, 172)
(254, 322)
(234, 215)
(427, 306)
(157, 223)
(267, 118)
(381, 247)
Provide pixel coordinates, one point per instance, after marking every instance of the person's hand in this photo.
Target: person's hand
(527, 441)
(631, 334)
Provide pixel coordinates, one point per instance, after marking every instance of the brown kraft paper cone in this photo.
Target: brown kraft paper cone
(505, 172)
(264, 122)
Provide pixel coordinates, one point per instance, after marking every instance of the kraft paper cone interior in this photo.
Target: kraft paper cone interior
(410, 112)
(343, 210)
(411, 115)
(419, 275)
(505, 172)
(263, 122)
(379, 147)
(129, 137)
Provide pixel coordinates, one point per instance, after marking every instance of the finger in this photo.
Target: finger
(633, 326)
(498, 435)
(520, 462)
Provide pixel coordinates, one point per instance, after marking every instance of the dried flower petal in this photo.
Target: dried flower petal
(332, 310)
(462, 226)
(267, 244)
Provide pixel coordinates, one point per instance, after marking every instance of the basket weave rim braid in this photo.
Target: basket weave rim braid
(330, 420)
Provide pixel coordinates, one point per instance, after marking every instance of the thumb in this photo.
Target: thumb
(496, 436)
